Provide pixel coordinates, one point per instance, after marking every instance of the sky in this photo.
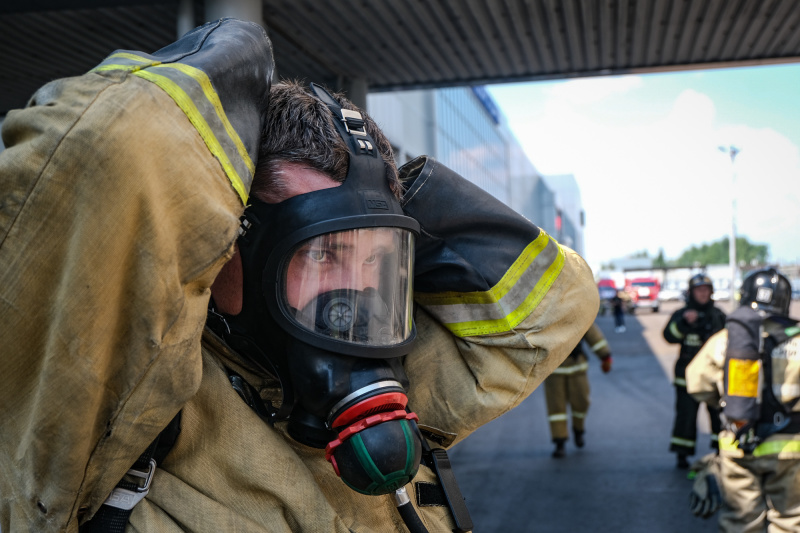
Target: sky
(645, 152)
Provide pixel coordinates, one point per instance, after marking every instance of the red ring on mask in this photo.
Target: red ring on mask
(388, 401)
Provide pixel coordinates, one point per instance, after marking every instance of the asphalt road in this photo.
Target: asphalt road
(623, 480)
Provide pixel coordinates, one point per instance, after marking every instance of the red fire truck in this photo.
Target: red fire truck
(643, 293)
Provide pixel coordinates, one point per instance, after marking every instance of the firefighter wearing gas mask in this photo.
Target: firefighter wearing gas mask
(691, 326)
(362, 380)
(327, 310)
(751, 369)
(353, 336)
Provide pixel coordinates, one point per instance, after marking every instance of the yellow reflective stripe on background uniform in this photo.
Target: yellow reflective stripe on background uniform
(682, 442)
(770, 447)
(743, 377)
(508, 303)
(582, 367)
(673, 328)
(557, 417)
(728, 444)
(600, 344)
(681, 382)
(578, 414)
(192, 91)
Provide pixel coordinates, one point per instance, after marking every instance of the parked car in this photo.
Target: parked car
(643, 293)
(721, 294)
(670, 295)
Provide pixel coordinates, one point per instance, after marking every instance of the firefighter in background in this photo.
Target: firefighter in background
(691, 326)
(618, 305)
(569, 384)
(752, 369)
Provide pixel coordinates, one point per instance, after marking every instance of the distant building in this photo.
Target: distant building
(463, 128)
(570, 216)
(455, 126)
(632, 263)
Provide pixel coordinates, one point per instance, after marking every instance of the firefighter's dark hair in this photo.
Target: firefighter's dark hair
(299, 129)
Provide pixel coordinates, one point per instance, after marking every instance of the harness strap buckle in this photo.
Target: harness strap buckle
(353, 123)
(126, 499)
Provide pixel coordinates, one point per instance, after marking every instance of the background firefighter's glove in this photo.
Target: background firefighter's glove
(705, 497)
(605, 364)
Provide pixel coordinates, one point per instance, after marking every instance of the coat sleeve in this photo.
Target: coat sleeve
(118, 206)
(597, 342)
(676, 328)
(704, 374)
(501, 304)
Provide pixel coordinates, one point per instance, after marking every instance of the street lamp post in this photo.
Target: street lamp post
(732, 151)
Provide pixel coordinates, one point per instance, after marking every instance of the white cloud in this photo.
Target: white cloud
(592, 90)
(664, 184)
(767, 189)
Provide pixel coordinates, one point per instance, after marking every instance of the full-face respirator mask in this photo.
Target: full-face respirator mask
(327, 309)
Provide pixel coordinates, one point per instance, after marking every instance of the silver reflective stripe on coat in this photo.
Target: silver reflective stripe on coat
(192, 91)
(507, 304)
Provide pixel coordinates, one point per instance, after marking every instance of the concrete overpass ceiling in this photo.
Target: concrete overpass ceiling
(402, 44)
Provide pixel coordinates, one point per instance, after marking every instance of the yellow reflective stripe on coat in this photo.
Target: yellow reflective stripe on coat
(508, 303)
(213, 98)
(124, 61)
(681, 382)
(770, 447)
(192, 91)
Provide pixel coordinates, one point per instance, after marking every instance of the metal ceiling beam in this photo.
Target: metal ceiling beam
(405, 44)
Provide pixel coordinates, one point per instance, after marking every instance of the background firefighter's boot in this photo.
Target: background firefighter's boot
(579, 442)
(559, 451)
(683, 464)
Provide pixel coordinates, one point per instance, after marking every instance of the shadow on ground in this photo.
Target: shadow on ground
(623, 480)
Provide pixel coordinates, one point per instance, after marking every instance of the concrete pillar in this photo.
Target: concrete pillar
(185, 17)
(356, 90)
(241, 9)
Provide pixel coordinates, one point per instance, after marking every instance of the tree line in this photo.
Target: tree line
(715, 253)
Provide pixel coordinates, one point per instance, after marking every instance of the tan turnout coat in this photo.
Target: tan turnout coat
(114, 220)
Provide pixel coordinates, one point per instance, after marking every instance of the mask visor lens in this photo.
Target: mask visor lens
(352, 286)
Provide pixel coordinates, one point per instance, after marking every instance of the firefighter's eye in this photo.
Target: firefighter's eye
(317, 254)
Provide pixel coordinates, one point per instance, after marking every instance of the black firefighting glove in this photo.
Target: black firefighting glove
(459, 223)
(705, 497)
